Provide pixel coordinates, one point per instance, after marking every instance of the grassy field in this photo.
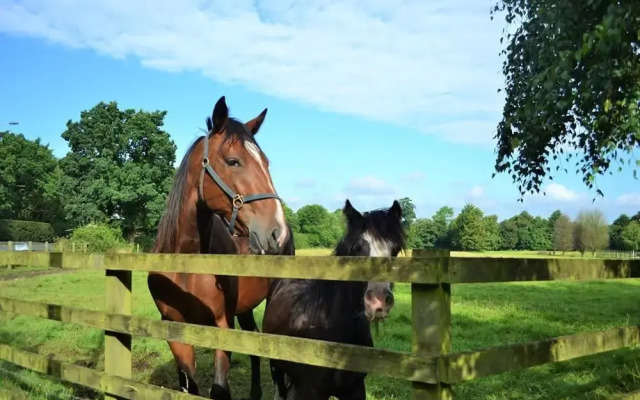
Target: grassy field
(484, 315)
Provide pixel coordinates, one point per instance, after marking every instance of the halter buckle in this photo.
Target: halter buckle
(205, 161)
(238, 201)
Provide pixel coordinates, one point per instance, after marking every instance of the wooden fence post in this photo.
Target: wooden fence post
(73, 247)
(431, 324)
(46, 246)
(117, 346)
(30, 246)
(85, 247)
(9, 248)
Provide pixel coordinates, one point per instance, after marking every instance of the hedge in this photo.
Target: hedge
(24, 231)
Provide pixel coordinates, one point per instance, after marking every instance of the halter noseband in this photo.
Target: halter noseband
(237, 200)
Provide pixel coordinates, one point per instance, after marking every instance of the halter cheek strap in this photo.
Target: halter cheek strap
(237, 200)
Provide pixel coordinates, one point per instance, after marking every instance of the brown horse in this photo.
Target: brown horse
(236, 211)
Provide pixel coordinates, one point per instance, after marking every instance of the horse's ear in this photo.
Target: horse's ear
(396, 209)
(254, 124)
(220, 114)
(350, 213)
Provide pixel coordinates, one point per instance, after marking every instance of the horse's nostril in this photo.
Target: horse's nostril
(275, 234)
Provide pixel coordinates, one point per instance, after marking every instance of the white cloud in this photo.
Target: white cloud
(558, 192)
(368, 185)
(476, 191)
(629, 199)
(423, 61)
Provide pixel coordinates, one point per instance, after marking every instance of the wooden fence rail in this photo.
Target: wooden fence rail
(430, 366)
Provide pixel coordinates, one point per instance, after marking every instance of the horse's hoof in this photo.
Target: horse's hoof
(219, 393)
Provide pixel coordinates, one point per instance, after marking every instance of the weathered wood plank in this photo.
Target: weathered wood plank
(394, 364)
(504, 269)
(416, 269)
(381, 269)
(27, 258)
(122, 387)
(471, 365)
(117, 345)
(431, 325)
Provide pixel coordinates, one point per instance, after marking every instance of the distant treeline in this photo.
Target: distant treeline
(111, 187)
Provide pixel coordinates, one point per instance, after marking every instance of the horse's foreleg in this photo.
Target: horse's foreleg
(280, 390)
(356, 392)
(185, 358)
(248, 323)
(220, 389)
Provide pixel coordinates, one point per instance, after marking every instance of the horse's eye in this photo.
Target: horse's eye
(232, 162)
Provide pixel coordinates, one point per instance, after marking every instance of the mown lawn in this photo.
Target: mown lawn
(484, 315)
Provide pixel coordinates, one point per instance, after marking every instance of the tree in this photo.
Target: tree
(442, 223)
(422, 234)
(29, 180)
(572, 78)
(533, 233)
(492, 232)
(553, 218)
(408, 212)
(321, 228)
(563, 234)
(468, 230)
(509, 234)
(592, 232)
(615, 232)
(631, 236)
(291, 217)
(119, 168)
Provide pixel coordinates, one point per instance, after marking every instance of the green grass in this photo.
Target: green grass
(484, 315)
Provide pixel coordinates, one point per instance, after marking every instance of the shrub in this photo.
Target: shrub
(99, 238)
(301, 240)
(25, 231)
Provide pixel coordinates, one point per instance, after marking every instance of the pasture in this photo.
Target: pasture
(484, 315)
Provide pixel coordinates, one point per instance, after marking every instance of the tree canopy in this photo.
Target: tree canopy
(591, 231)
(29, 180)
(572, 81)
(119, 168)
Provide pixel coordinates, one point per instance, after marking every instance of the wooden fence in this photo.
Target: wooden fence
(44, 246)
(430, 367)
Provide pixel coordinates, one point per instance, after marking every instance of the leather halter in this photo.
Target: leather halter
(237, 200)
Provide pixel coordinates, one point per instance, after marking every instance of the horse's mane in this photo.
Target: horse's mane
(167, 228)
(165, 239)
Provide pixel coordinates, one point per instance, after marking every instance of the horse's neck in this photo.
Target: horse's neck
(345, 296)
(187, 238)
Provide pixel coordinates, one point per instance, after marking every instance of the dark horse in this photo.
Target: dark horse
(336, 311)
(222, 201)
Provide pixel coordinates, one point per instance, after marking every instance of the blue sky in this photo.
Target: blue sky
(365, 101)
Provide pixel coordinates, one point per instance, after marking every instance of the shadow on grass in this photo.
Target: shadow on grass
(165, 374)
(34, 385)
(88, 351)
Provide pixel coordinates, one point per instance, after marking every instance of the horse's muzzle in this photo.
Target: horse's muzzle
(266, 243)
